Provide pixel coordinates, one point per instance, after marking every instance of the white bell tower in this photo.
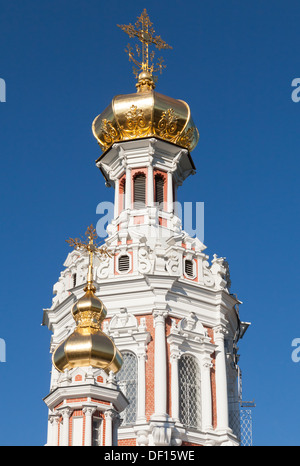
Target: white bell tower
(170, 311)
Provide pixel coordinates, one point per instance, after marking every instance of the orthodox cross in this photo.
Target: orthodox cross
(144, 32)
(90, 245)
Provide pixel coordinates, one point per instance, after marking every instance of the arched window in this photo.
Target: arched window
(74, 277)
(189, 391)
(127, 381)
(159, 191)
(139, 191)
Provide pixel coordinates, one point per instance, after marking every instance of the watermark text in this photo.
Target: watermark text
(296, 91)
(188, 215)
(2, 350)
(2, 90)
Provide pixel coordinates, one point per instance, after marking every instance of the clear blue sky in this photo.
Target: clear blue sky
(233, 61)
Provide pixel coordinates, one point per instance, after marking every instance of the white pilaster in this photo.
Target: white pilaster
(206, 394)
(170, 192)
(109, 419)
(88, 411)
(150, 184)
(53, 433)
(221, 379)
(160, 368)
(65, 426)
(128, 182)
(141, 405)
(117, 189)
(175, 386)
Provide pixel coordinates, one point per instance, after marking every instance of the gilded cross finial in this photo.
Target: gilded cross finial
(143, 30)
(90, 245)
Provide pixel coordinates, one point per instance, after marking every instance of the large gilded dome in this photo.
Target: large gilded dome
(145, 114)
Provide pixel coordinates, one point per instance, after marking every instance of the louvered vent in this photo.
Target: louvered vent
(124, 263)
(159, 191)
(189, 268)
(139, 191)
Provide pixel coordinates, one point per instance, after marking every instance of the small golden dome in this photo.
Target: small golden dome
(89, 310)
(88, 345)
(145, 114)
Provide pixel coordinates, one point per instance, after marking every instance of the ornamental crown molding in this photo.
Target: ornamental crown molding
(73, 391)
(190, 328)
(134, 154)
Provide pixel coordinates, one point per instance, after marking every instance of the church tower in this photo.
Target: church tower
(173, 376)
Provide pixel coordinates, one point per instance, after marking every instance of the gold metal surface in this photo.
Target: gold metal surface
(88, 345)
(146, 114)
(143, 31)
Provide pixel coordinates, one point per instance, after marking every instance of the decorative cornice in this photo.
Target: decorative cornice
(101, 393)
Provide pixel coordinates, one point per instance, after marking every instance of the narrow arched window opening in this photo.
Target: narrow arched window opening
(139, 191)
(159, 191)
(74, 278)
(189, 393)
(127, 382)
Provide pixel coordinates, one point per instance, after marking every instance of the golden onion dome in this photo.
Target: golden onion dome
(88, 345)
(144, 114)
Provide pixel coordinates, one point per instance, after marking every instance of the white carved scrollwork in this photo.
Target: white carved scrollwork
(220, 270)
(192, 324)
(122, 322)
(208, 277)
(60, 290)
(103, 268)
(173, 263)
(144, 262)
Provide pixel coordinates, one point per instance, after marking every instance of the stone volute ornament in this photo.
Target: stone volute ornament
(145, 113)
(88, 345)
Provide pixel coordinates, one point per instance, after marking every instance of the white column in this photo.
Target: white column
(53, 433)
(175, 386)
(206, 394)
(150, 185)
(160, 364)
(221, 379)
(170, 192)
(65, 427)
(109, 417)
(117, 189)
(141, 404)
(115, 427)
(88, 411)
(128, 200)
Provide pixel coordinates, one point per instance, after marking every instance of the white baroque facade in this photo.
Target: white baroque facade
(170, 312)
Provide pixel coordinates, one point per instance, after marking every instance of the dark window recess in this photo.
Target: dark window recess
(74, 279)
(139, 191)
(159, 191)
(124, 263)
(189, 268)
